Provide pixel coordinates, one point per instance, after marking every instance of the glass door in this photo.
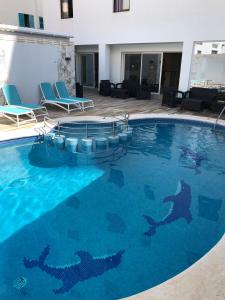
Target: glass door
(87, 70)
(132, 67)
(145, 68)
(151, 71)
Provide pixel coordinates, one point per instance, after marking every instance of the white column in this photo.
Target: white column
(186, 62)
(104, 62)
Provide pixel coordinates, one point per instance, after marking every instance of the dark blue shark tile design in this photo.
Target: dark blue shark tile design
(116, 223)
(209, 208)
(116, 177)
(196, 158)
(149, 193)
(73, 202)
(180, 209)
(70, 275)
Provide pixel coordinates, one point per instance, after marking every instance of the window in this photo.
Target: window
(41, 23)
(199, 52)
(121, 5)
(66, 9)
(144, 68)
(214, 45)
(214, 52)
(26, 20)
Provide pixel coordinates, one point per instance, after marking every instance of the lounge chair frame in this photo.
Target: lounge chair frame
(15, 118)
(60, 104)
(23, 105)
(83, 101)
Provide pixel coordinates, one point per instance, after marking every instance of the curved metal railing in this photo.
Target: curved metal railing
(88, 129)
(219, 116)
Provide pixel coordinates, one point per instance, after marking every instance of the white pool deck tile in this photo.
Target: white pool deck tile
(205, 280)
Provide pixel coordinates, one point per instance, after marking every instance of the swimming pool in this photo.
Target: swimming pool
(114, 227)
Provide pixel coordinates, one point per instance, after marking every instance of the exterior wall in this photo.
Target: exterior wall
(207, 48)
(147, 22)
(27, 60)
(9, 11)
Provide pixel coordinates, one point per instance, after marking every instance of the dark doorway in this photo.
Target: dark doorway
(96, 70)
(171, 70)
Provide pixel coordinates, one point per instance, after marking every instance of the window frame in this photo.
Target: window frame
(122, 10)
(70, 12)
(26, 20)
(41, 23)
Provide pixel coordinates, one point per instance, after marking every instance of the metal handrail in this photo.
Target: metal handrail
(219, 116)
(87, 128)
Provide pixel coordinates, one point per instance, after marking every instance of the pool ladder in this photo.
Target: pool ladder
(219, 116)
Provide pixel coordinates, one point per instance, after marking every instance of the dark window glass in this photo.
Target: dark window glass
(132, 67)
(26, 20)
(121, 5)
(41, 23)
(66, 9)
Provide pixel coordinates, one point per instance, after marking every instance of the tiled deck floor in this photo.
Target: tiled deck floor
(107, 106)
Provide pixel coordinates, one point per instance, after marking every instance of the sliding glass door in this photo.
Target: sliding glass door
(87, 70)
(132, 66)
(151, 67)
(144, 67)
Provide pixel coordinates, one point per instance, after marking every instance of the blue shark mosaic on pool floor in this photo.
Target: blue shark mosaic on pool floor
(91, 216)
(72, 274)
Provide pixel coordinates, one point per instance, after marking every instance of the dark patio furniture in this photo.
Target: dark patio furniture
(172, 97)
(120, 91)
(144, 91)
(219, 104)
(79, 90)
(105, 88)
(133, 86)
(199, 98)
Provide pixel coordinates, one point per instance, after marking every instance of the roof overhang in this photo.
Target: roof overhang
(22, 30)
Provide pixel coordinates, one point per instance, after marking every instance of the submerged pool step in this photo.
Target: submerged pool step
(71, 144)
(87, 145)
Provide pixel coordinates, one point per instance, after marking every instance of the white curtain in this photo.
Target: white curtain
(126, 4)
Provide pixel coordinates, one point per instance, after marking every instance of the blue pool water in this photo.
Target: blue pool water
(111, 227)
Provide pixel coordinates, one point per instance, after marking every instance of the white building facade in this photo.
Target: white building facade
(22, 13)
(154, 41)
(122, 39)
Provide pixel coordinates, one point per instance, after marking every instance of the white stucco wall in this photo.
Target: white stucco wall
(147, 21)
(9, 10)
(27, 60)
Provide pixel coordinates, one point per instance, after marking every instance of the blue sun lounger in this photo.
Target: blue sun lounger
(13, 113)
(49, 97)
(63, 93)
(12, 97)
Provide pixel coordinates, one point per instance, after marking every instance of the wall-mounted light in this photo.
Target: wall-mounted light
(68, 56)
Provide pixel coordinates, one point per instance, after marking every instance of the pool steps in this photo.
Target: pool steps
(87, 145)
